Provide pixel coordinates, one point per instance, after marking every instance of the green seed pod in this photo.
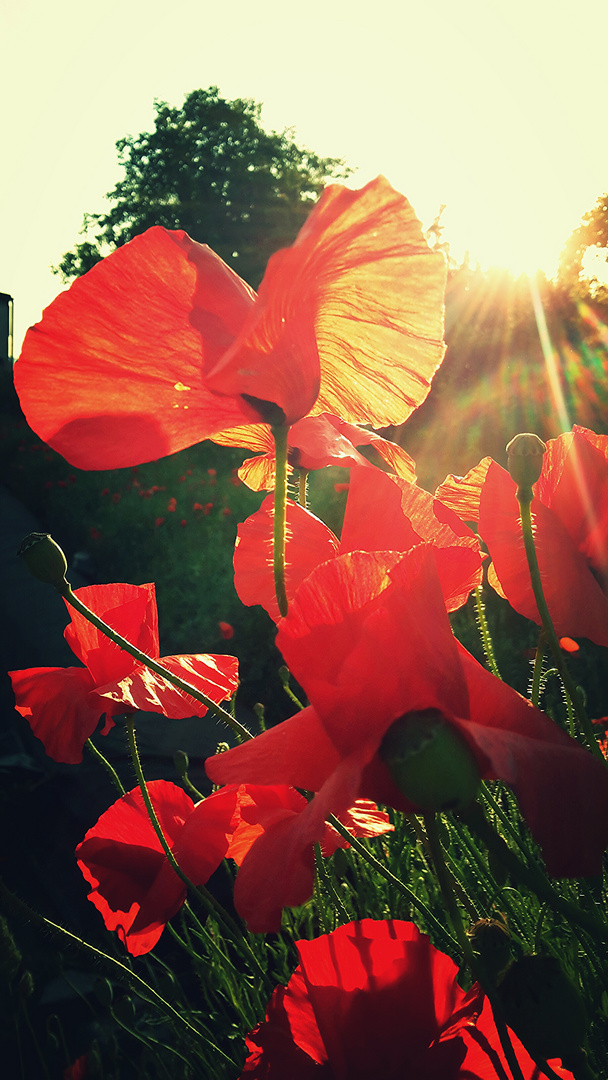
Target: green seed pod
(543, 1007)
(525, 459)
(430, 762)
(45, 559)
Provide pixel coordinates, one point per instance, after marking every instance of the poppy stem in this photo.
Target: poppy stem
(484, 630)
(24, 911)
(537, 671)
(70, 597)
(114, 777)
(446, 884)
(380, 868)
(475, 820)
(200, 891)
(280, 434)
(524, 498)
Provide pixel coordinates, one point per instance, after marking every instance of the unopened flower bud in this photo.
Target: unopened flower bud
(45, 559)
(491, 942)
(430, 762)
(543, 1007)
(525, 459)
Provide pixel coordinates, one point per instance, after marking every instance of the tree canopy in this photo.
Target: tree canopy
(211, 169)
(579, 275)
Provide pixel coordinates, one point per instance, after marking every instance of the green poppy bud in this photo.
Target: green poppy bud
(543, 1007)
(430, 762)
(45, 559)
(525, 459)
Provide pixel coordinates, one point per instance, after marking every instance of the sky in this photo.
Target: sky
(494, 109)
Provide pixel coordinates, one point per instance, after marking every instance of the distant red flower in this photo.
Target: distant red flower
(105, 491)
(183, 523)
(368, 638)
(159, 521)
(62, 483)
(207, 508)
(568, 645)
(570, 515)
(382, 512)
(197, 506)
(226, 630)
(63, 706)
(116, 497)
(172, 505)
(182, 478)
(212, 472)
(78, 1070)
(376, 999)
(348, 320)
(226, 511)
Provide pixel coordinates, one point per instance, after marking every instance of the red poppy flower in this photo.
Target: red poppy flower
(315, 442)
(368, 638)
(162, 345)
(133, 884)
(570, 513)
(376, 999)
(226, 630)
(382, 512)
(63, 706)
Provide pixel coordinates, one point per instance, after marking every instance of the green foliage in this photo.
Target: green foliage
(211, 169)
(592, 233)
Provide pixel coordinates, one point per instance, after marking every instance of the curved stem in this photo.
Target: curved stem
(71, 598)
(379, 867)
(447, 891)
(538, 669)
(114, 777)
(280, 434)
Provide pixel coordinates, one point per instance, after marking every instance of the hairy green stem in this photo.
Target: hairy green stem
(484, 630)
(446, 885)
(71, 598)
(280, 434)
(111, 771)
(538, 669)
(390, 877)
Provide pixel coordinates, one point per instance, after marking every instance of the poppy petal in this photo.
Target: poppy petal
(214, 676)
(133, 885)
(128, 609)
(308, 543)
(113, 375)
(58, 706)
(349, 320)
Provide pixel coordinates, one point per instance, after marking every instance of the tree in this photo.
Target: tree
(577, 273)
(211, 169)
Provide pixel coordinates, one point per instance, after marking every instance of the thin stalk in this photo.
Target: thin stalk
(447, 891)
(390, 877)
(524, 498)
(538, 670)
(475, 819)
(484, 630)
(328, 885)
(303, 488)
(280, 433)
(41, 921)
(114, 777)
(71, 598)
